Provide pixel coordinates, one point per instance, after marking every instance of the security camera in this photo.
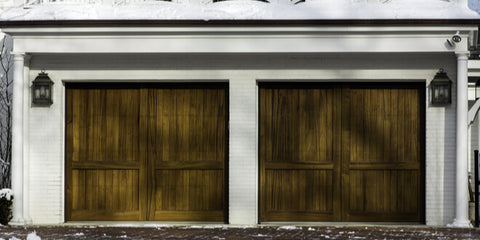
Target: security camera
(450, 42)
(457, 38)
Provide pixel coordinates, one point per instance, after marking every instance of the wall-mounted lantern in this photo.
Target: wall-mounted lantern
(42, 89)
(441, 88)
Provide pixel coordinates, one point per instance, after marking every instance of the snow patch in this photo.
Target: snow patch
(79, 234)
(137, 225)
(288, 228)
(249, 9)
(14, 238)
(203, 227)
(262, 235)
(33, 236)
(6, 193)
(311, 229)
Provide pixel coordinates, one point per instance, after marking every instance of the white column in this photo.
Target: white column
(17, 138)
(243, 172)
(461, 209)
(26, 109)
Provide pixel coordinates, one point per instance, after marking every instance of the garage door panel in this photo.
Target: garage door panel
(296, 153)
(187, 151)
(299, 190)
(209, 216)
(390, 191)
(146, 152)
(385, 126)
(294, 127)
(104, 167)
(382, 147)
(101, 133)
(187, 125)
(189, 190)
(105, 215)
(115, 190)
(368, 136)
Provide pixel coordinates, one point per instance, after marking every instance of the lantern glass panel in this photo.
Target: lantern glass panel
(441, 93)
(42, 91)
(37, 92)
(441, 88)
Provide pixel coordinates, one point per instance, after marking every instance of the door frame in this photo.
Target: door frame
(419, 85)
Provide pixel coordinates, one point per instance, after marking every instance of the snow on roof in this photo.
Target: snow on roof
(248, 10)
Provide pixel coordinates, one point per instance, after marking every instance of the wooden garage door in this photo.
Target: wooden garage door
(341, 153)
(146, 152)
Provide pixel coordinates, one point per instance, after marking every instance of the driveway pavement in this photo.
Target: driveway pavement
(234, 232)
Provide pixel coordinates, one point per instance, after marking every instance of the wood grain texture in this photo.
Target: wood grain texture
(383, 167)
(349, 152)
(296, 154)
(146, 152)
(187, 150)
(104, 170)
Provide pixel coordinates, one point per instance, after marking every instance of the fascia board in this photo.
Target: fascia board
(239, 40)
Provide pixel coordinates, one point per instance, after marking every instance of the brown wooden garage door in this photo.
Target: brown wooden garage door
(146, 152)
(351, 152)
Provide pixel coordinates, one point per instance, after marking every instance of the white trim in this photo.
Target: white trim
(473, 112)
(461, 207)
(61, 97)
(17, 169)
(279, 29)
(275, 39)
(26, 113)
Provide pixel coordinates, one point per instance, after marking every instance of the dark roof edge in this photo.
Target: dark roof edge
(293, 22)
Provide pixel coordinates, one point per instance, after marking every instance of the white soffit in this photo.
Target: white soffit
(238, 39)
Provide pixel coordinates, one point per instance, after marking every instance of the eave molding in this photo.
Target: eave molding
(239, 39)
(245, 22)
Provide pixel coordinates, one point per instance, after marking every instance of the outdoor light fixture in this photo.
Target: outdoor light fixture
(441, 88)
(42, 89)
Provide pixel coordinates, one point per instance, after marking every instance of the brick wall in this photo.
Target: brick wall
(46, 163)
(243, 151)
(440, 160)
(46, 137)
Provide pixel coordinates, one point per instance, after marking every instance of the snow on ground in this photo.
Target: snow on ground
(289, 228)
(33, 236)
(6, 193)
(414, 232)
(250, 9)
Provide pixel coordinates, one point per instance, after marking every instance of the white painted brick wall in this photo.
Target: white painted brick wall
(440, 158)
(46, 160)
(243, 151)
(46, 168)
